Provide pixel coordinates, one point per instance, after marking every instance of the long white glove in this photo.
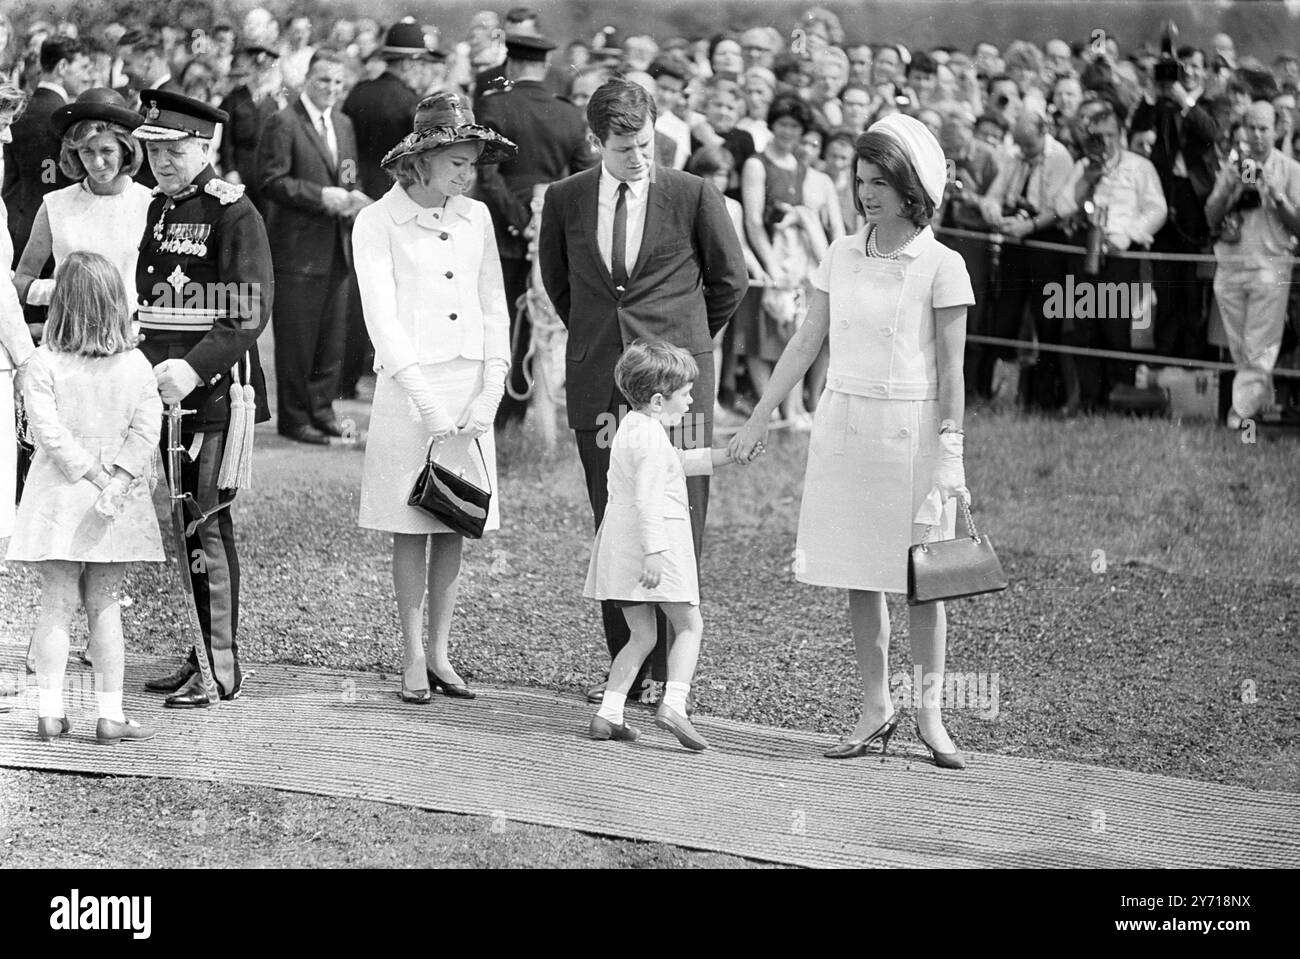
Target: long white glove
(481, 413)
(40, 292)
(949, 479)
(436, 421)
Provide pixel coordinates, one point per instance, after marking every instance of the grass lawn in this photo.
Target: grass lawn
(1152, 624)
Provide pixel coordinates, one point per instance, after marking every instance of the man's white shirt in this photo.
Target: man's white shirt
(637, 194)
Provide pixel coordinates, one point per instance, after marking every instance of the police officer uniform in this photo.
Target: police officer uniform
(205, 287)
(552, 138)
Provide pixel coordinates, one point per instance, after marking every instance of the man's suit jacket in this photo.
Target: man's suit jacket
(688, 280)
(238, 150)
(294, 166)
(382, 112)
(552, 139)
(31, 166)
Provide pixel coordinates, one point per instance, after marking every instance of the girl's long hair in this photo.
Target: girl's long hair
(89, 314)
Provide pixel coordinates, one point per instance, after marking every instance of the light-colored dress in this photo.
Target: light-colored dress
(875, 437)
(647, 512)
(432, 294)
(85, 412)
(108, 225)
(15, 349)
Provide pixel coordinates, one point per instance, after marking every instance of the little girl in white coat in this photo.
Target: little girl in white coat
(96, 415)
(643, 555)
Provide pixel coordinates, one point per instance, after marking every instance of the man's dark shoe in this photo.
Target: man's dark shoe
(306, 434)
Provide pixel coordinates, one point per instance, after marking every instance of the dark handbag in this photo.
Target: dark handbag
(450, 498)
(25, 450)
(953, 568)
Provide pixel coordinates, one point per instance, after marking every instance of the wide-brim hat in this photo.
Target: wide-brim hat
(441, 120)
(408, 41)
(97, 103)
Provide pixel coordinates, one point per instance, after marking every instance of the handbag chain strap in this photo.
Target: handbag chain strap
(970, 523)
(487, 478)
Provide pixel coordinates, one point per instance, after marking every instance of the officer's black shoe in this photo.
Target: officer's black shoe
(172, 681)
(193, 695)
(306, 434)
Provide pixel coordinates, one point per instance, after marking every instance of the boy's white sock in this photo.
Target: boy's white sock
(110, 706)
(611, 707)
(49, 702)
(675, 696)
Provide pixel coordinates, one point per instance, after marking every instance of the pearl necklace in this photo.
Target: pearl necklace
(874, 251)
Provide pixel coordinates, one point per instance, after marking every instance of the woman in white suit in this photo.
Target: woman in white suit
(430, 281)
(16, 345)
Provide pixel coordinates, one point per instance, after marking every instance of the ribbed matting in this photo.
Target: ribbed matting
(759, 792)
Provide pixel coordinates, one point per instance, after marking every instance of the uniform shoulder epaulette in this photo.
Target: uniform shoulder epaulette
(224, 190)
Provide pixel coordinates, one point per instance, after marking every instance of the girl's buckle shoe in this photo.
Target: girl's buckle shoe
(602, 728)
(109, 731)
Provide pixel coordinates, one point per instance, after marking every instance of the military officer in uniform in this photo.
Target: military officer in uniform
(205, 288)
(552, 138)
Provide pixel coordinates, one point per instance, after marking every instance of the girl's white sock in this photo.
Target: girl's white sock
(611, 707)
(49, 703)
(110, 706)
(675, 696)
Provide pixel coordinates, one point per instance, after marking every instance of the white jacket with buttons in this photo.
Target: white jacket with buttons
(430, 282)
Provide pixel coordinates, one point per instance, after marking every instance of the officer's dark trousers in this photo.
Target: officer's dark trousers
(214, 564)
(311, 325)
(593, 451)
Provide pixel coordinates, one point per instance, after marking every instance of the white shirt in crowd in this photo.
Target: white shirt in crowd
(637, 194)
(671, 125)
(316, 115)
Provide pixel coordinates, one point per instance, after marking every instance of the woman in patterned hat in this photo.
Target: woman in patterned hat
(103, 212)
(430, 281)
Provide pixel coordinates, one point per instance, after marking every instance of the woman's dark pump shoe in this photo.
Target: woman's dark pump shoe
(853, 748)
(952, 760)
(420, 696)
(454, 690)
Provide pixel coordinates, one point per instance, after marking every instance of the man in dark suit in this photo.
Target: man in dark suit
(678, 276)
(144, 61)
(32, 158)
(382, 111)
(552, 137)
(250, 105)
(307, 167)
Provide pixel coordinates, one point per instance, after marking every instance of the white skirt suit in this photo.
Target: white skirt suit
(647, 512)
(431, 290)
(875, 437)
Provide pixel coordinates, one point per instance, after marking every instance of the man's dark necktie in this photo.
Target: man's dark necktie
(618, 253)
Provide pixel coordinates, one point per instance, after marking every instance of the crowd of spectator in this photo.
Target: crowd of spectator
(1075, 138)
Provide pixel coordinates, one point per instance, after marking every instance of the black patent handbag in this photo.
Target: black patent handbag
(450, 498)
(953, 568)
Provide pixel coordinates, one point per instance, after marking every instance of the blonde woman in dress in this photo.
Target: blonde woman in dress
(435, 307)
(885, 458)
(105, 211)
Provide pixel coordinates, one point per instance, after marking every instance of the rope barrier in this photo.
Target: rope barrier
(1148, 358)
(1005, 240)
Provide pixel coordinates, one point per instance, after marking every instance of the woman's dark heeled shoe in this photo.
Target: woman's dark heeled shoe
(420, 696)
(853, 748)
(952, 760)
(454, 690)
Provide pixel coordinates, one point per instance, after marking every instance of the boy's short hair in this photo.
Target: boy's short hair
(648, 367)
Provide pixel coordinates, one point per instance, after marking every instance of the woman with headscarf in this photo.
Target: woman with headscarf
(16, 345)
(885, 455)
(431, 290)
(105, 210)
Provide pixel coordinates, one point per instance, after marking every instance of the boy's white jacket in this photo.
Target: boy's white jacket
(647, 472)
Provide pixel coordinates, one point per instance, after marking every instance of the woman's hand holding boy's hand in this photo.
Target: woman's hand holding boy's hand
(749, 441)
(652, 570)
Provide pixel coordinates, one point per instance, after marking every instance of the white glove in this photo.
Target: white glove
(479, 416)
(110, 500)
(435, 418)
(949, 479)
(40, 292)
